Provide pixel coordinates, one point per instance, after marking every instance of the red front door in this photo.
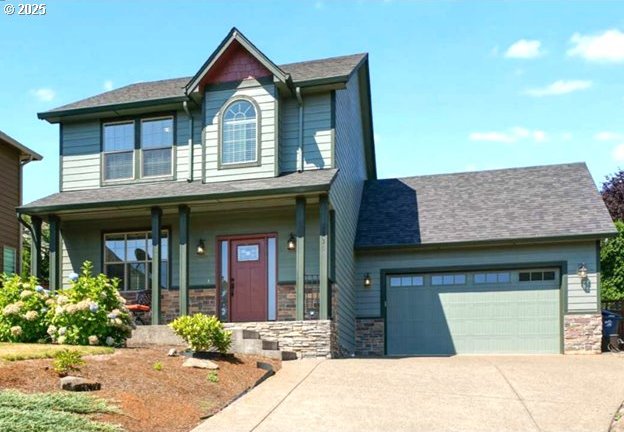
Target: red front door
(248, 280)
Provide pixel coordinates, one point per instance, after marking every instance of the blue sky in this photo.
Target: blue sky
(456, 86)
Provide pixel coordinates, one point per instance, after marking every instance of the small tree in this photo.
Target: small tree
(612, 266)
(613, 194)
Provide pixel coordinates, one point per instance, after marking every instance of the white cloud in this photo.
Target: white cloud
(108, 85)
(510, 136)
(605, 47)
(559, 88)
(608, 136)
(524, 49)
(618, 153)
(44, 94)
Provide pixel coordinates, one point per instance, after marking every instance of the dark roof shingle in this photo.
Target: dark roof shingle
(334, 67)
(498, 205)
(179, 192)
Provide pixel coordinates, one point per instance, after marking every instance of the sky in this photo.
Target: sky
(456, 86)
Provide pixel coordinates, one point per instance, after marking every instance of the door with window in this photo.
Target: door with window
(248, 280)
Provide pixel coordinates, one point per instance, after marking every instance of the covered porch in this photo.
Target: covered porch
(243, 260)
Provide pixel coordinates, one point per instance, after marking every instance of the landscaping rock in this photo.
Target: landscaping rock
(77, 384)
(172, 353)
(199, 363)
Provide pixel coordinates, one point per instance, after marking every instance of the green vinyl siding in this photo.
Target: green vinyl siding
(80, 155)
(345, 196)
(474, 318)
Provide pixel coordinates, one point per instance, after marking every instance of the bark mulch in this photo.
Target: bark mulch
(170, 400)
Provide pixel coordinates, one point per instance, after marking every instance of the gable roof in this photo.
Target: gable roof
(173, 192)
(173, 90)
(235, 36)
(543, 202)
(26, 154)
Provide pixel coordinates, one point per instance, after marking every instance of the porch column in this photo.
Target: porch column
(185, 213)
(323, 256)
(156, 276)
(35, 247)
(55, 252)
(300, 210)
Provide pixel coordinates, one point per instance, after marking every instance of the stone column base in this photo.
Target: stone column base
(582, 333)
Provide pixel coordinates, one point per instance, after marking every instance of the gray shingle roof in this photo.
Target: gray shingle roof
(334, 67)
(180, 192)
(512, 204)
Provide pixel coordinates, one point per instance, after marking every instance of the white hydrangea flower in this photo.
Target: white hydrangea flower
(110, 341)
(93, 340)
(12, 309)
(51, 330)
(16, 331)
(61, 339)
(26, 293)
(59, 310)
(31, 315)
(71, 308)
(62, 330)
(62, 299)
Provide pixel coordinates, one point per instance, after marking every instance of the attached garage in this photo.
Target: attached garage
(474, 312)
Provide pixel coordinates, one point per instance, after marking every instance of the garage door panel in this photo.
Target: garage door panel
(515, 317)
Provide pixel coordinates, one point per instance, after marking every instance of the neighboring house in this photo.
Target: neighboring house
(13, 157)
(249, 191)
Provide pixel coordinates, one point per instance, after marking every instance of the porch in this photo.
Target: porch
(261, 260)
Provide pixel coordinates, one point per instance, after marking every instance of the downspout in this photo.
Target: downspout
(190, 142)
(300, 160)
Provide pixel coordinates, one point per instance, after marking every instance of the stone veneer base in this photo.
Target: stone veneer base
(582, 333)
(305, 338)
(369, 337)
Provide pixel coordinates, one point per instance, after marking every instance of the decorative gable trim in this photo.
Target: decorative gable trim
(235, 36)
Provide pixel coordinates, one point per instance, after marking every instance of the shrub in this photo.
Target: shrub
(157, 366)
(202, 332)
(213, 377)
(67, 361)
(89, 312)
(23, 309)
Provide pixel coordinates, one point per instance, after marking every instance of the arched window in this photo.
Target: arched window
(239, 133)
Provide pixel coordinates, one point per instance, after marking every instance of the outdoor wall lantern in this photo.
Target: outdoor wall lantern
(201, 247)
(367, 280)
(582, 271)
(292, 242)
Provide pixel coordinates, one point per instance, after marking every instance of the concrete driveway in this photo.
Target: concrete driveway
(462, 393)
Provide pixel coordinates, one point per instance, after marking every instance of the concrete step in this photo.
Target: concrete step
(270, 345)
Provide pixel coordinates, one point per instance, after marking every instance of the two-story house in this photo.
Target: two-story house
(13, 156)
(249, 191)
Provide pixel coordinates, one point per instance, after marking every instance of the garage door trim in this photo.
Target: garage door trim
(561, 265)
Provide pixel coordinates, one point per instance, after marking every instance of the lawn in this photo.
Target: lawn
(142, 390)
(17, 351)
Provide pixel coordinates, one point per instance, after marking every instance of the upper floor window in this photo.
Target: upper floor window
(154, 149)
(239, 133)
(118, 149)
(157, 145)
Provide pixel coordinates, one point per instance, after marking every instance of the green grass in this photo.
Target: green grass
(52, 412)
(19, 351)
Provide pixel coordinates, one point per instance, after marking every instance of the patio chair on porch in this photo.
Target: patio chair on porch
(141, 309)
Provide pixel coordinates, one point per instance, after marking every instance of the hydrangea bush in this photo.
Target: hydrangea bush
(91, 311)
(23, 309)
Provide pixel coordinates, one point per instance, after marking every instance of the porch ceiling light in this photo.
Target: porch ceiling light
(201, 248)
(582, 271)
(367, 280)
(292, 242)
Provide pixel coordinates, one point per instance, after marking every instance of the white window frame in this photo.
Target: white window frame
(147, 119)
(105, 153)
(147, 262)
(226, 107)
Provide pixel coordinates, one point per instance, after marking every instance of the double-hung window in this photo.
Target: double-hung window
(128, 257)
(154, 149)
(118, 147)
(157, 147)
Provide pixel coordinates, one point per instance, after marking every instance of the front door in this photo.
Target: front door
(248, 280)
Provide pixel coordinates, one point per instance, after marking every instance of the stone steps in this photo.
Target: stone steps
(249, 342)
